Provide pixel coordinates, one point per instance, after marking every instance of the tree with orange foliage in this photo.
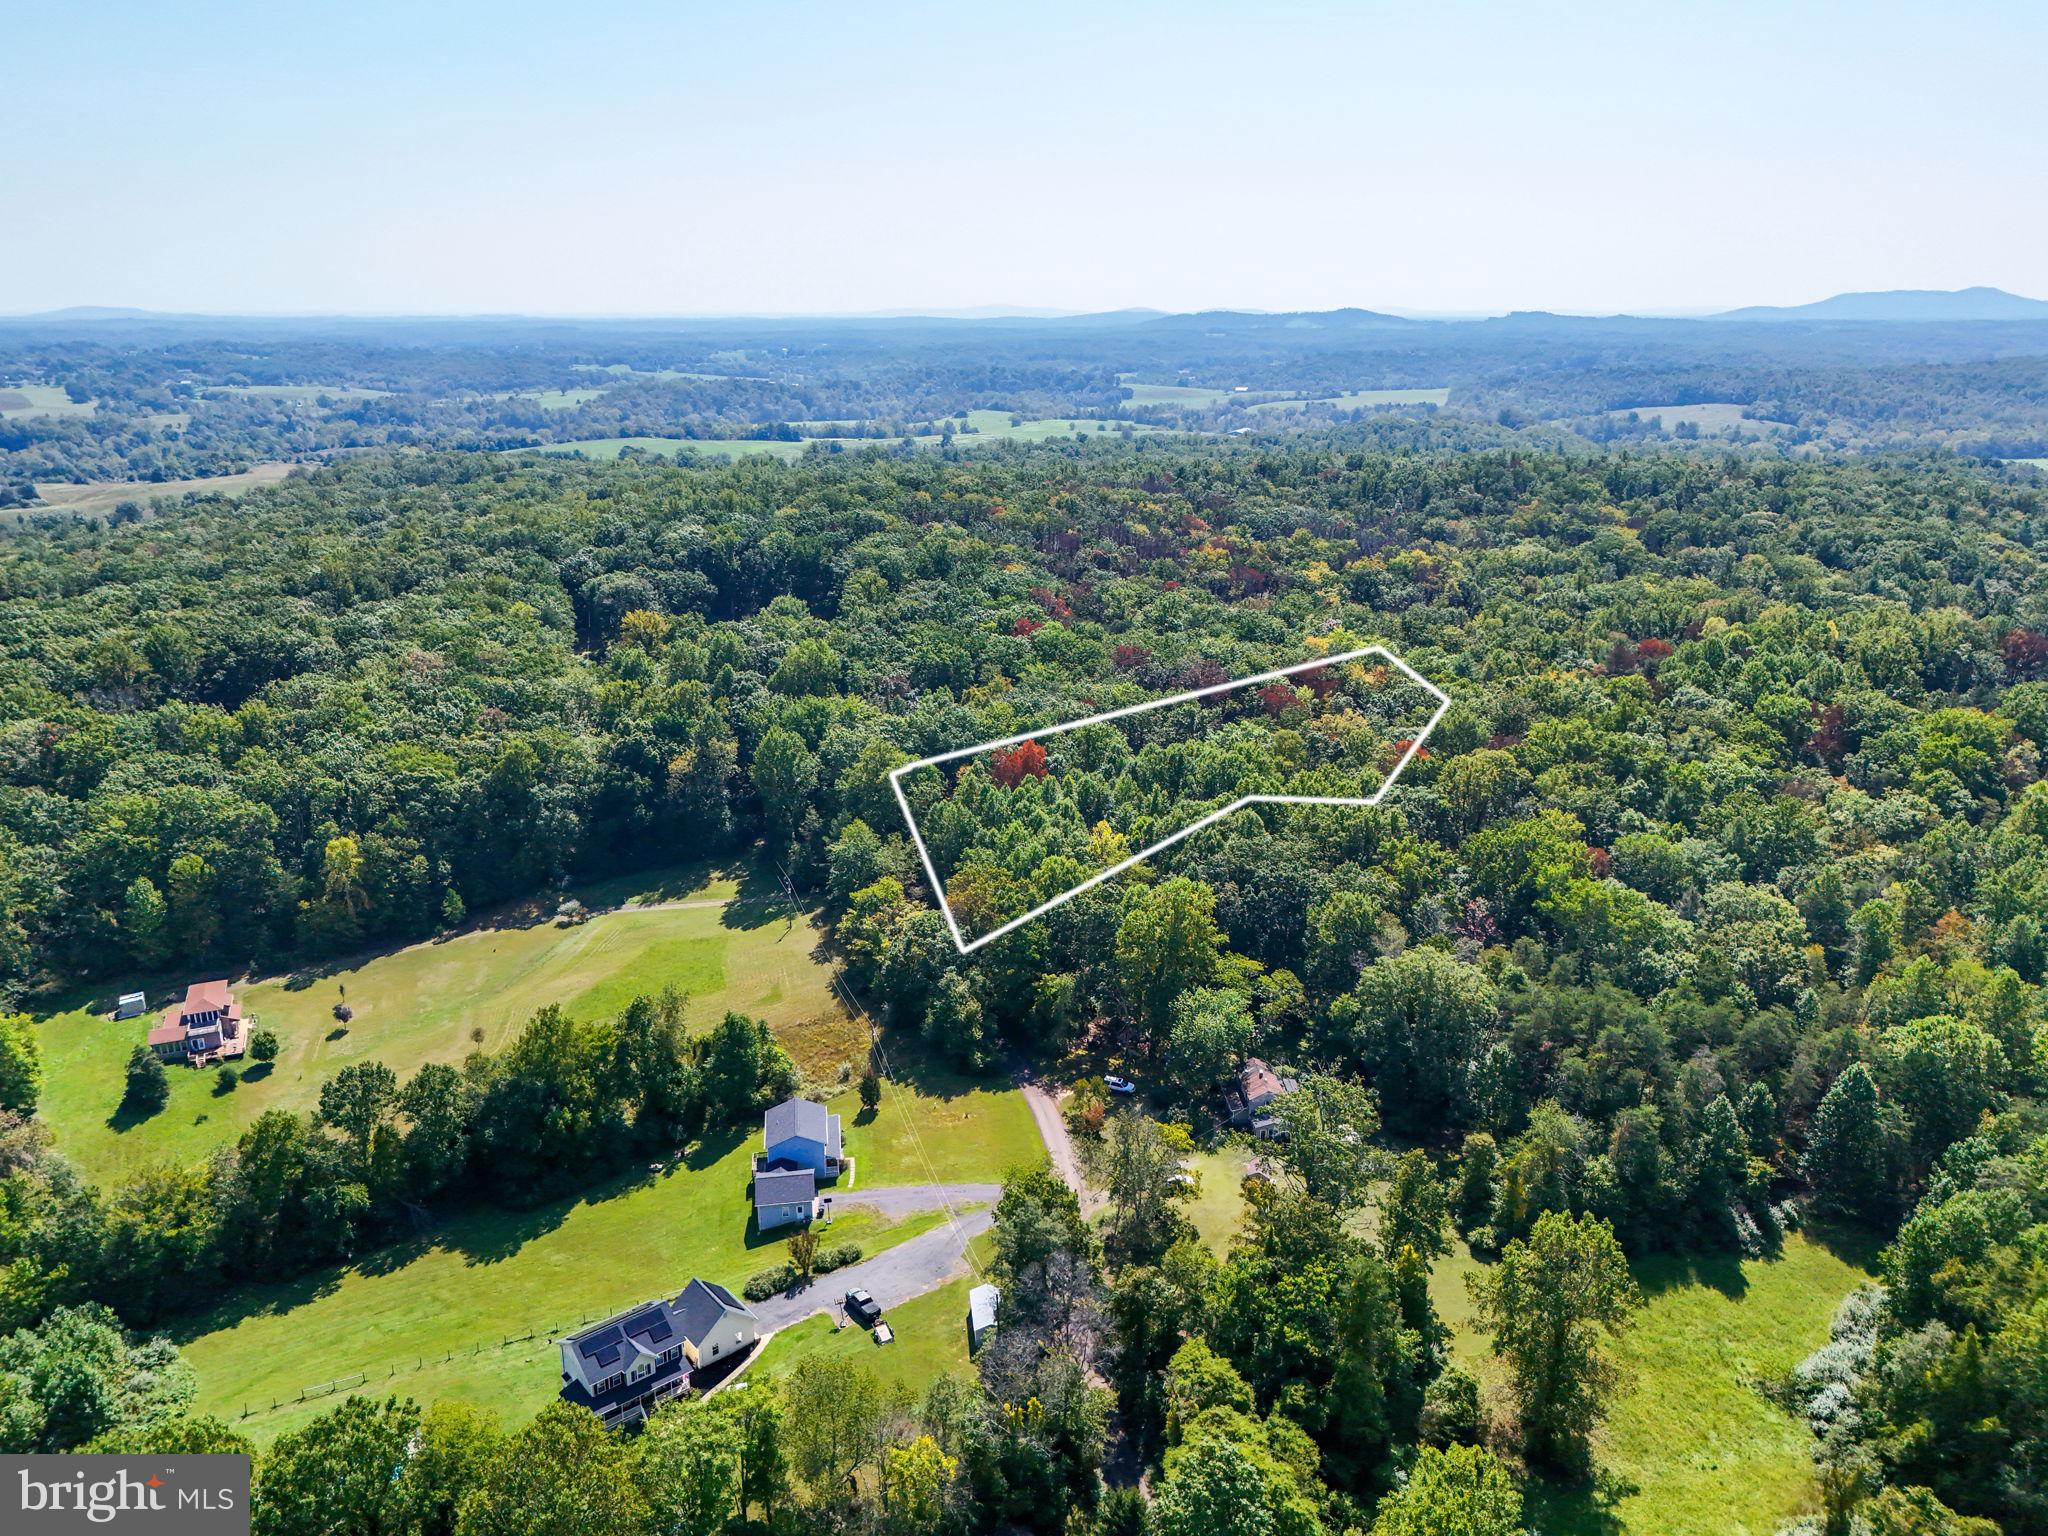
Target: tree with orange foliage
(1014, 765)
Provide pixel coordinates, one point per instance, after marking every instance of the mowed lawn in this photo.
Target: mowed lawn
(451, 1316)
(1217, 1210)
(930, 1342)
(429, 1002)
(1691, 1448)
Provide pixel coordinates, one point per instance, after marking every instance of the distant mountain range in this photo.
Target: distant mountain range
(1903, 304)
(1239, 320)
(1898, 305)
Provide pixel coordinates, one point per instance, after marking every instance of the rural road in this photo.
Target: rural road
(1059, 1145)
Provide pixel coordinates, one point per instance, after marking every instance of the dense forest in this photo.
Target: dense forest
(1715, 907)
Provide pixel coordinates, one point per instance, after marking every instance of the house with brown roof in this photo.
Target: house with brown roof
(205, 1027)
(1251, 1102)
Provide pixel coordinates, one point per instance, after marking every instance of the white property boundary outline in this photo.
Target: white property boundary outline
(938, 887)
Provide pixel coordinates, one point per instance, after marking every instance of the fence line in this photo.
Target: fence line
(324, 1389)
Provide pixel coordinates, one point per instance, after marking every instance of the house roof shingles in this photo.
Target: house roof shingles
(701, 1305)
(790, 1187)
(796, 1118)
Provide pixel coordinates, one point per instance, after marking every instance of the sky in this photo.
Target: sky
(666, 159)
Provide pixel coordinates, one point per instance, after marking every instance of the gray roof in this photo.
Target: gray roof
(784, 1188)
(656, 1325)
(611, 1340)
(701, 1305)
(982, 1302)
(796, 1117)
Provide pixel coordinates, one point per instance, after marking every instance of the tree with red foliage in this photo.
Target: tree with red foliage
(1025, 625)
(1278, 698)
(1830, 739)
(1127, 656)
(1013, 766)
(2026, 652)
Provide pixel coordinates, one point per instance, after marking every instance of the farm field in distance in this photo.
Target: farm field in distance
(1690, 1438)
(1194, 396)
(983, 426)
(726, 948)
(1363, 399)
(98, 498)
(26, 400)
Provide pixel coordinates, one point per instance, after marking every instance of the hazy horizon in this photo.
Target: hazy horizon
(649, 162)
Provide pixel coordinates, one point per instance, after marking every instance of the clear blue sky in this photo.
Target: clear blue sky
(672, 158)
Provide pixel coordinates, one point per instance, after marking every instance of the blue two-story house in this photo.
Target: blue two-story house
(802, 1148)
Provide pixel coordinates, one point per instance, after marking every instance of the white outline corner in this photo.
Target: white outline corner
(938, 887)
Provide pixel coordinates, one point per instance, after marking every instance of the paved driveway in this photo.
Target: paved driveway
(909, 1199)
(893, 1277)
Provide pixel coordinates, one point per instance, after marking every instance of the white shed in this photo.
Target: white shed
(982, 1302)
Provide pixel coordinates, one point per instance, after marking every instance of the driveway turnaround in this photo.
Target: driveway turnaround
(900, 1274)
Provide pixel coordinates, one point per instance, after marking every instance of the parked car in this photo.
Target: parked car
(1119, 1085)
(863, 1308)
(884, 1334)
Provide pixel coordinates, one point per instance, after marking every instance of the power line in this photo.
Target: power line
(889, 1079)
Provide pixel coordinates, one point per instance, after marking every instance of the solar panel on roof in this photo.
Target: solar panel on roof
(602, 1346)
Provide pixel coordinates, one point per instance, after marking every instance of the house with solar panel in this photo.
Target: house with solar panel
(622, 1367)
(802, 1149)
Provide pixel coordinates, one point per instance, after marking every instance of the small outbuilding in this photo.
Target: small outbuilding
(982, 1302)
(132, 1005)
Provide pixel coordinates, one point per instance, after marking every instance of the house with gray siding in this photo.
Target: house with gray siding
(621, 1368)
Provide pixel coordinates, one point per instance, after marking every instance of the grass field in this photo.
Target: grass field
(730, 950)
(1691, 1449)
(1363, 399)
(1193, 396)
(101, 497)
(554, 399)
(1035, 429)
(1218, 1211)
(471, 1312)
(41, 400)
(1711, 419)
(931, 1338)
